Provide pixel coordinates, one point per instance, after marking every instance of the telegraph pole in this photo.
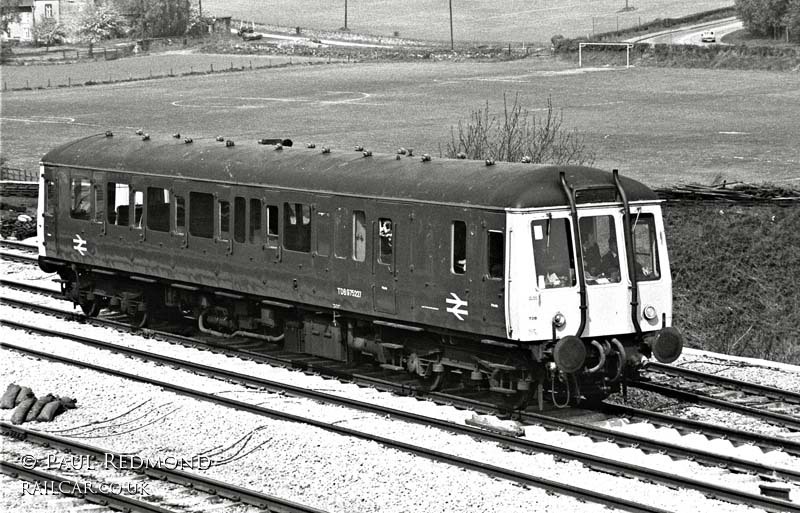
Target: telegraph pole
(452, 46)
(345, 14)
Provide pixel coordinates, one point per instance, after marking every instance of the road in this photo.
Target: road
(691, 35)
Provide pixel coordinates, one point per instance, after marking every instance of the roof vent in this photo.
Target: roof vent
(526, 159)
(359, 148)
(140, 132)
(325, 149)
(188, 140)
(410, 152)
(426, 157)
(109, 133)
(229, 143)
(401, 151)
(146, 137)
(311, 145)
(461, 155)
(220, 138)
(489, 162)
(177, 135)
(278, 147)
(367, 153)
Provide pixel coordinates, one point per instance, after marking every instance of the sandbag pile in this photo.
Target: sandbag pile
(29, 408)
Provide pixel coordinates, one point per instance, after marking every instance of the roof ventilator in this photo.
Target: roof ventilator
(229, 143)
(367, 153)
(489, 162)
(188, 140)
(426, 158)
(220, 138)
(176, 135)
(109, 133)
(325, 149)
(146, 137)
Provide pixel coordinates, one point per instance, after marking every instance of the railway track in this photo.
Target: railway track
(778, 407)
(594, 462)
(51, 481)
(329, 369)
(27, 258)
(15, 244)
(190, 482)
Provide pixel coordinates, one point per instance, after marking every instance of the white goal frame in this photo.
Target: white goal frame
(627, 46)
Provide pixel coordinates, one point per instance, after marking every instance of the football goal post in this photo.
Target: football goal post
(627, 46)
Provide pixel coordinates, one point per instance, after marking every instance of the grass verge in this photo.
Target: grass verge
(736, 277)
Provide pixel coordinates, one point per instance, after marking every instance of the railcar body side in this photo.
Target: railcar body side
(427, 266)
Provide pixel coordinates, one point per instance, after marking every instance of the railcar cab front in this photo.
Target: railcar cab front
(590, 284)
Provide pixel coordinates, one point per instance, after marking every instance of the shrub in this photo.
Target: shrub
(518, 135)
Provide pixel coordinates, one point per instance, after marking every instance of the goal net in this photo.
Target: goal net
(604, 54)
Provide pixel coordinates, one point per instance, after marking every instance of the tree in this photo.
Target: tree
(99, 23)
(792, 19)
(49, 32)
(767, 17)
(158, 18)
(9, 13)
(518, 136)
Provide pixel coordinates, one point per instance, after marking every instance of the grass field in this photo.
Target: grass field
(161, 65)
(473, 20)
(659, 125)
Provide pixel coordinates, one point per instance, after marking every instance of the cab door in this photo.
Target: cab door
(48, 226)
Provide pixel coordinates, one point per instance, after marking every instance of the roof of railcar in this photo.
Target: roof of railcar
(458, 182)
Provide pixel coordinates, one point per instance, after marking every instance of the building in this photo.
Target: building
(24, 16)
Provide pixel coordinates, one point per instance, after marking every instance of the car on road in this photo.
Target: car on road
(708, 36)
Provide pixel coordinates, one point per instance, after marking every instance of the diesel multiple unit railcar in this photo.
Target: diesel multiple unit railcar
(526, 280)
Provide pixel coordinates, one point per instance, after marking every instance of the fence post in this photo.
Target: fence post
(251, 64)
(212, 67)
(69, 81)
(48, 83)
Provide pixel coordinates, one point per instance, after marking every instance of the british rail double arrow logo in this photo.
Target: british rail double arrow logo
(80, 244)
(457, 303)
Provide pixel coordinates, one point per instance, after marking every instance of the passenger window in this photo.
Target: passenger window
(359, 235)
(138, 208)
(323, 233)
(180, 215)
(273, 225)
(600, 253)
(52, 198)
(239, 218)
(254, 234)
(645, 246)
(99, 204)
(81, 201)
(297, 227)
(552, 252)
(201, 210)
(496, 259)
(158, 209)
(458, 244)
(341, 234)
(385, 229)
(224, 219)
(117, 203)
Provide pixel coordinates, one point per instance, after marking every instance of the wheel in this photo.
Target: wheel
(91, 308)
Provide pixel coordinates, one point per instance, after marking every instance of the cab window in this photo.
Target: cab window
(552, 253)
(600, 250)
(81, 201)
(645, 248)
